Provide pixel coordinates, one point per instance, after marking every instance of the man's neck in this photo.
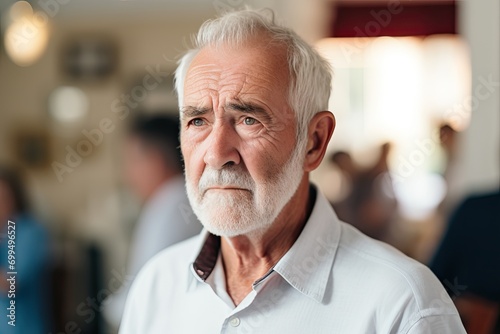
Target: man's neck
(247, 258)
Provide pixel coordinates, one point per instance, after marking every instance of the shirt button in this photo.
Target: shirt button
(235, 322)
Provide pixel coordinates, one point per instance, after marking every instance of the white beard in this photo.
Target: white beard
(239, 212)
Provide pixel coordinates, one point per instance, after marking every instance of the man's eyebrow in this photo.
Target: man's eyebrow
(249, 108)
(190, 111)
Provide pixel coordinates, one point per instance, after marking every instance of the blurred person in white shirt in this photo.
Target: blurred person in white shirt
(153, 169)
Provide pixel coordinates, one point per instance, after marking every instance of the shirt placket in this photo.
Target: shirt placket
(240, 319)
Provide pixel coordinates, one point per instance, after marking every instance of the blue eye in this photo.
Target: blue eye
(197, 122)
(249, 121)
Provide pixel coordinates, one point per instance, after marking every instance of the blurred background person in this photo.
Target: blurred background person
(448, 139)
(468, 262)
(370, 204)
(30, 247)
(349, 172)
(153, 169)
(449, 144)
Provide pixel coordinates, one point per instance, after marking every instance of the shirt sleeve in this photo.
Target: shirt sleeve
(131, 320)
(425, 307)
(437, 324)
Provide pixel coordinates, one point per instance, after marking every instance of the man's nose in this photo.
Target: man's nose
(222, 149)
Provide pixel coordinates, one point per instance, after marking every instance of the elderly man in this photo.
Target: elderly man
(273, 257)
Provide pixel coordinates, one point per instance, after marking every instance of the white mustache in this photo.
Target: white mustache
(225, 178)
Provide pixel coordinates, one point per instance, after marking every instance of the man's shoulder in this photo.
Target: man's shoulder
(388, 270)
(368, 250)
(393, 284)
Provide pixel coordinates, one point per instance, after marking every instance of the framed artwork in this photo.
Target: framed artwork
(32, 148)
(89, 58)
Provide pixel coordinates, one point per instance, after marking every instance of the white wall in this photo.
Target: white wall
(480, 25)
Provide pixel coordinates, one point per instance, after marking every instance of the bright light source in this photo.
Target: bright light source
(399, 90)
(68, 104)
(27, 35)
(420, 195)
(19, 10)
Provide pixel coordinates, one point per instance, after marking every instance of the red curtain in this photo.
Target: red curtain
(394, 18)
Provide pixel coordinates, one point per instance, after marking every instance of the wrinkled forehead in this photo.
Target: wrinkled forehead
(256, 69)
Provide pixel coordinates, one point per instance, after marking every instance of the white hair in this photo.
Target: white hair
(310, 74)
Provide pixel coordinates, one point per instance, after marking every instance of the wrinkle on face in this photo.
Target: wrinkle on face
(254, 74)
(238, 131)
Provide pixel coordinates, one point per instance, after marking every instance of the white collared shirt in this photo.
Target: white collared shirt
(332, 280)
(166, 218)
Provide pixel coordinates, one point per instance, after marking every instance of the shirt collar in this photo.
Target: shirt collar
(307, 264)
(207, 256)
(199, 270)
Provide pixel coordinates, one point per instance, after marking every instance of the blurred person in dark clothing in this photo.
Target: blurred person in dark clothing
(23, 296)
(153, 170)
(468, 261)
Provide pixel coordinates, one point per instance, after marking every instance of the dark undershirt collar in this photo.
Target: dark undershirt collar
(207, 257)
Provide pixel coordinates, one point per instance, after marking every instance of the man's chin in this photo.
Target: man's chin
(223, 230)
(230, 230)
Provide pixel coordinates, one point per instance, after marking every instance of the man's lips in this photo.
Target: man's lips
(226, 188)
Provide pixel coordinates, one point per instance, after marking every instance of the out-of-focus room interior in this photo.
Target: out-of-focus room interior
(416, 96)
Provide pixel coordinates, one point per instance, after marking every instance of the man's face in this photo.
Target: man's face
(238, 137)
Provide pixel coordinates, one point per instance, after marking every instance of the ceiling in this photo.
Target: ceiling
(112, 9)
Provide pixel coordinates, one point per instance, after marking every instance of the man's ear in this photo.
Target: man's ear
(320, 131)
